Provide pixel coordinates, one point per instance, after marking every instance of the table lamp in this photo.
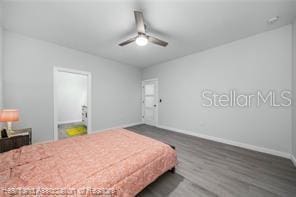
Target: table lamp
(9, 116)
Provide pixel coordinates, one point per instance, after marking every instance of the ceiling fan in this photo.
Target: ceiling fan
(142, 38)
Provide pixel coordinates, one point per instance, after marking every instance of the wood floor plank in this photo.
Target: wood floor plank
(207, 169)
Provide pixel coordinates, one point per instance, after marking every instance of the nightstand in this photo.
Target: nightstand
(21, 137)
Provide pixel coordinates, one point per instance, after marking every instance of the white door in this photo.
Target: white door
(150, 102)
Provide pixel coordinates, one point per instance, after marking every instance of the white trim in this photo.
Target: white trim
(230, 142)
(89, 96)
(43, 142)
(157, 100)
(69, 121)
(293, 159)
(120, 126)
(147, 80)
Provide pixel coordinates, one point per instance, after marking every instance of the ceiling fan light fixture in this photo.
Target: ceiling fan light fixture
(141, 40)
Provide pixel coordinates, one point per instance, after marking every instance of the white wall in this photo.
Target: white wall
(1, 67)
(71, 96)
(28, 85)
(1, 57)
(294, 92)
(260, 62)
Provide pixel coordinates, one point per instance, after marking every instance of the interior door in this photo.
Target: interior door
(150, 102)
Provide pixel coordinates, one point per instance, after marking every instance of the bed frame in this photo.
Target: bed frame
(172, 170)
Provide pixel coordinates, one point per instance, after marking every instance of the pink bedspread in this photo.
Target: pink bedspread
(111, 163)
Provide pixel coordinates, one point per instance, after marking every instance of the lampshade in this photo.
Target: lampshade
(9, 115)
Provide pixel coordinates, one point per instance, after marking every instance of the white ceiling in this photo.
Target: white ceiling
(97, 27)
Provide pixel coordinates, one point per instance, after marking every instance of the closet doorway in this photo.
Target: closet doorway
(72, 103)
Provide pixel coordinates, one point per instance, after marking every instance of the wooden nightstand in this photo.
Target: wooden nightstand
(20, 138)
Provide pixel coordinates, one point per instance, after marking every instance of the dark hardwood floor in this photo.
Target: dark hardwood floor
(207, 168)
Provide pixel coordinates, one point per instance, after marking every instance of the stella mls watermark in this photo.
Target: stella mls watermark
(234, 98)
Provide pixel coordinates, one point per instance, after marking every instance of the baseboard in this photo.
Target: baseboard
(116, 127)
(119, 127)
(69, 121)
(230, 142)
(293, 159)
(43, 142)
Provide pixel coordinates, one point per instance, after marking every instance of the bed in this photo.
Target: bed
(110, 163)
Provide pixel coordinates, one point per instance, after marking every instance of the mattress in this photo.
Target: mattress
(110, 163)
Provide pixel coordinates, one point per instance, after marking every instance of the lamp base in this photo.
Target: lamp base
(9, 129)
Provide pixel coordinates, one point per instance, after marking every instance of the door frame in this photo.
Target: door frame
(156, 97)
(55, 102)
